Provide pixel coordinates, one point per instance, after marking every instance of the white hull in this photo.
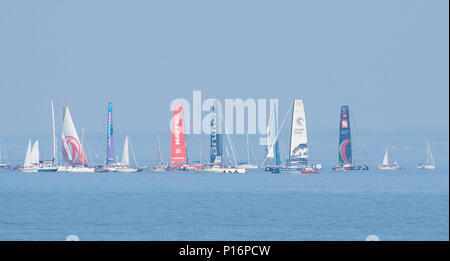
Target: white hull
(388, 167)
(158, 170)
(126, 170)
(248, 166)
(225, 170)
(29, 170)
(76, 169)
(430, 167)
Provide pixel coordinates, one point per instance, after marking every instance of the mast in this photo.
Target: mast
(55, 160)
(216, 137)
(290, 137)
(248, 150)
(109, 136)
(159, 150)
(345, 146)
(132, 152)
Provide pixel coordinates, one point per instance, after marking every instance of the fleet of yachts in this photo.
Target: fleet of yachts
(297, 161)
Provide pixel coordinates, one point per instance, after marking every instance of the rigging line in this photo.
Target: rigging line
(219, 114)
(132, 151)
(89, 152)
(359, 137)
(281, 127)
(230, 143)
(201, 148)
(267, 139)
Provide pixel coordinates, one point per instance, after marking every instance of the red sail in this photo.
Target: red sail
(178, 144)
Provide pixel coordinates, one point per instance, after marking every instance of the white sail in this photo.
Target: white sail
(53, 135)
(386, 158)
(125, 154)
(27, 162)
(430, 159)
(72, 148)
(271, 132)
(35, 153)
(299, 143)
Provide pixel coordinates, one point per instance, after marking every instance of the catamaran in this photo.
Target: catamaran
(386, 165)
(345, 147)
(429, 164)
(31, 163)
(298, 160)
(72, 148)
(216, 147)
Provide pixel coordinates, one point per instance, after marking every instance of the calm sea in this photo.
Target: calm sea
(409, 205)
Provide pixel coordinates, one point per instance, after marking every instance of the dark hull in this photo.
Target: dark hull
(278, 169)
(351, 167)
(48, 170)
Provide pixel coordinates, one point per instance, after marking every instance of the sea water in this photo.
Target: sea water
(392, 205)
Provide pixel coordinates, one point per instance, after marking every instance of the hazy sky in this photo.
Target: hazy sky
(388, 59)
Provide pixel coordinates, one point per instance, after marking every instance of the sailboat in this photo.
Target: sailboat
(272, 162)
(124, 165)
(4, 166)
(298, 160)
(216, 146)
(110, 163)
(50, 165)
(386, 166)
(178, 154)
(31, 163)
(72, 148)
(345, 147)
(161, 167)
(248, 165)
(298, 149)
(429, 164)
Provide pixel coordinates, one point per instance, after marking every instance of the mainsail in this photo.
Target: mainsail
(216, 136)
(345, 146)
(429, 159)
(125, 155)
(386, 158)
(273, 153)
(178, 141)
(109, 137)
(35, 153)
(27, 162)
(298, 153)
(71, 146)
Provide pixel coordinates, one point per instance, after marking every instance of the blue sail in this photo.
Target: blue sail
(277, 154)
(216, 137)
(345, 146)
(109, 137)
